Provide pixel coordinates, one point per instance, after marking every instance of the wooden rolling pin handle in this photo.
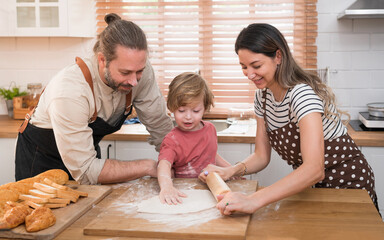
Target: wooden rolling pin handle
(216, 184)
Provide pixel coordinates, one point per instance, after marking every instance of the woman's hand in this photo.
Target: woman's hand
(224, 172)
(171, 196)
(236, 202)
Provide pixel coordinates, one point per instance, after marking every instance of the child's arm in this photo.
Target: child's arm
(221, 162)
(168, 193)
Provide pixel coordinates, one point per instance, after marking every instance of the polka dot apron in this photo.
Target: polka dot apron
(345, 165)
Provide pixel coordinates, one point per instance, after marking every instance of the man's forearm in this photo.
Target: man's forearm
(115, 171)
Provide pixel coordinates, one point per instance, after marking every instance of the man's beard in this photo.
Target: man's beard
(113, 84)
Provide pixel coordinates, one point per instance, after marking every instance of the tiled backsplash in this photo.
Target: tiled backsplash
(353, 49)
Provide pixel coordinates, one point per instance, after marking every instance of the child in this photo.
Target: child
(192, 144)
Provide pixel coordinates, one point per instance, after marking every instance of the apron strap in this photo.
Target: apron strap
(128, 102)
(26, 120)
(88, 77)
(87, 74)
(264, 97)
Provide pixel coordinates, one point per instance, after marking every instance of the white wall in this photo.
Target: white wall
(354, 51)
(26, 60)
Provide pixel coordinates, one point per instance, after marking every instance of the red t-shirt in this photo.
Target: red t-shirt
(190, 152)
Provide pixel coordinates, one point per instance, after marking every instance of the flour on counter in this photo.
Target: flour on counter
(196, 201)
(128, 204)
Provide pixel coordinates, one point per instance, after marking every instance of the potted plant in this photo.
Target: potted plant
(9, 94)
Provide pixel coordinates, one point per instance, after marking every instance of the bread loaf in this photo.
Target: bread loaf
(14, 216)
(8, 195)
(33, 198)
(40, 218)
(23, 186)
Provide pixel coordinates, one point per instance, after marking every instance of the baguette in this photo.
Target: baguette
(48, 205)
(33, 204)
(80, 193)
(33, 198)
(45, 188)
(41, 194)
(55, 205)
(67, 195)
(58, 186)
(8, 195)
(55, 185)
(59, 200)
(56, 175)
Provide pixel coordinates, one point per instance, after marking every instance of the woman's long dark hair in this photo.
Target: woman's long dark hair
(266, 39)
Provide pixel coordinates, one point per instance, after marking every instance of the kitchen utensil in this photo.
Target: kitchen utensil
(216, 184)
(376, 109)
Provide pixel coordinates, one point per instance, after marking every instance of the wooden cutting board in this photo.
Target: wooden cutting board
(121, 218)
(64, 216)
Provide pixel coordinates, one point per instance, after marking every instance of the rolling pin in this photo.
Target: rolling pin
(216, 184)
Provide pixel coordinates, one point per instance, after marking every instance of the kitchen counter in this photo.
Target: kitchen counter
(131, 132)
(137, 132)
(311, 214)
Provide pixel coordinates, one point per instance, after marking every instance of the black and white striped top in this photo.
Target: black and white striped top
(303, 101)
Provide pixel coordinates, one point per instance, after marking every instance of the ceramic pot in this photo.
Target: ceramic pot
(9, 104)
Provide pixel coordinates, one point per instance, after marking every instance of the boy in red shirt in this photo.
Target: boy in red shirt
(192, 144)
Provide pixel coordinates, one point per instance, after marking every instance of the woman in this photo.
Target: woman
(297, 117)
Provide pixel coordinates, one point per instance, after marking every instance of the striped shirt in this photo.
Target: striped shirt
(302, 100)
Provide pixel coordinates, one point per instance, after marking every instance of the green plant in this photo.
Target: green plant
(9, 94)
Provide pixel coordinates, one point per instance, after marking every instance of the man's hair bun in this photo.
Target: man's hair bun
(111, 17)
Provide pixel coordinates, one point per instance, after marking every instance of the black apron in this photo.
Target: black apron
(36, 149)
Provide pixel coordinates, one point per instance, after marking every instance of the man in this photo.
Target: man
(90, 99)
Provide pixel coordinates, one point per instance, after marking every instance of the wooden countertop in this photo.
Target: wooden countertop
(311, 214)
(132, 132)
(135, 132)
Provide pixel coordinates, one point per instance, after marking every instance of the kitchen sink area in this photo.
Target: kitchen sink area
(220, 124)
(224, 127)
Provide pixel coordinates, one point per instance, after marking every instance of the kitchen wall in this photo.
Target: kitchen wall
(353, 49)
(26, 60)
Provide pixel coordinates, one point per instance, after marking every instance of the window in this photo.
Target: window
(192, 35)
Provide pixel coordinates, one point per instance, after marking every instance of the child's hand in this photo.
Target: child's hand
(171, 196)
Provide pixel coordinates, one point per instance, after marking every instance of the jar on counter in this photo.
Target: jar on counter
(34, 92)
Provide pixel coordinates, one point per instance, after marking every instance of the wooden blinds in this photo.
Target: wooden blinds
(192, 35)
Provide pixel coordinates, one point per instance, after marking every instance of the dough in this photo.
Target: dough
(197, 200)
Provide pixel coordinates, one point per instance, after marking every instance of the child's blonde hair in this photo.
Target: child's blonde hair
(186, 88)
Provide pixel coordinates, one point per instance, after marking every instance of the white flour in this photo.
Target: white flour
(127, 205)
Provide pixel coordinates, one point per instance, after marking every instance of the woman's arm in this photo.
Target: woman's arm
(253, 163)
(309, 173)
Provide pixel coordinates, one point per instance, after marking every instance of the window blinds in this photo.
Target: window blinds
(192, 35)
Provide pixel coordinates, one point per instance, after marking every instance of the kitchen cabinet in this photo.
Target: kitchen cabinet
(276, 170)
(235, 152)
(107, 149)
(7, 163)
(375, 158)
(61, 18)
(131, 150)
